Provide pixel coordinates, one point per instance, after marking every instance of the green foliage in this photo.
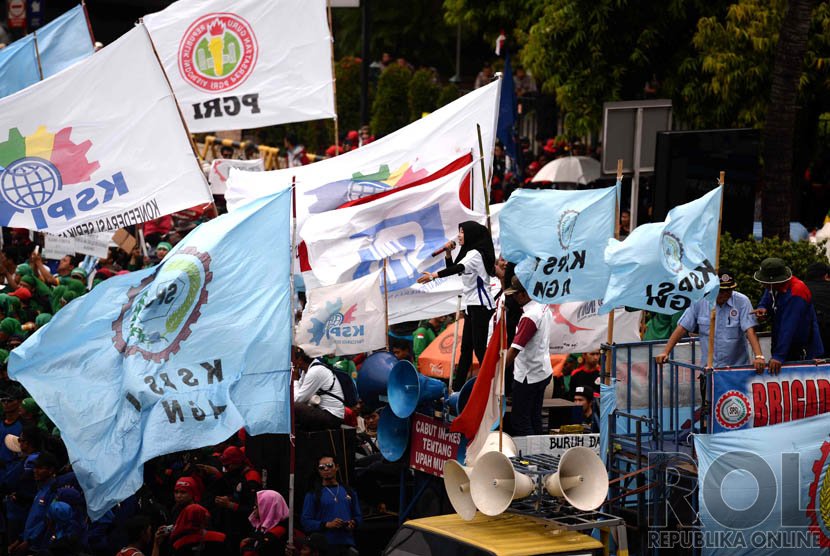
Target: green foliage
(744, 256)
(423, 93)
(390, 109)
(448, 94)
(347, 75)
(726, 81)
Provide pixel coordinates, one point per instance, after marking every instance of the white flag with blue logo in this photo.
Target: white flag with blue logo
(404, 228)
(664, 267)
(174, 357)
(764, 490)
(344, 319)
(54, 47)
(98, 147)
(557, 239)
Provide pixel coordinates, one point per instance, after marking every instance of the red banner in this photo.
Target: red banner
(432, 445)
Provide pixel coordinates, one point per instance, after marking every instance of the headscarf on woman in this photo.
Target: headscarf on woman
(478, 238)
(42, 320)
(192, 527)
(270, 511)
(11, 327)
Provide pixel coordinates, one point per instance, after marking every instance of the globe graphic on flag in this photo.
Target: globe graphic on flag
(30, 182)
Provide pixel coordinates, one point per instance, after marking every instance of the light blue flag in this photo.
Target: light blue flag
(64, 41)
(664, 267)
(170, 358)
(765, 490)
(16, 68)
(61, 43)
(557, 239)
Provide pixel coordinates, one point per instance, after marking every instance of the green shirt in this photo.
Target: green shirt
(421, 338)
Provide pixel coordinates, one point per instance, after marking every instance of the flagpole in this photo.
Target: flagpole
(454, 341)
(712, 329)
(610, 338)
(483, 176)
(502, 331)
(333, 83)
(88, 23)
(472, 184)
(37, 55)
(386, 304)
(291, 450)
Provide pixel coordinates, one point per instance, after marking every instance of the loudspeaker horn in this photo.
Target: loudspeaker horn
(393, 435)
(457, 485)
(457, 400)
(494, 484)
(407, 389)
(373, 378)
(581, 479)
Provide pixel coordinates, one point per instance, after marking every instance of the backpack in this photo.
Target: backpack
(350, 397)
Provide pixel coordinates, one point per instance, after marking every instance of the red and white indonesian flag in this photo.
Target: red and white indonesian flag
(220, 168)
(577, 327)
(247, 63)
(97, 147)
(405, 156)
(405, 229)
(344, 319)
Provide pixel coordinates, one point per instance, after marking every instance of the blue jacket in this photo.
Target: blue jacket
(795, 333)
(328, 504)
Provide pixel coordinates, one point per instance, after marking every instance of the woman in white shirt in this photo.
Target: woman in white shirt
(475, 263)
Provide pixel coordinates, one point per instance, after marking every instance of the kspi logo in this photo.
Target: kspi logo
(218, 52)
(34, 170)
(337, 324)
(567, 223)
(818, 510)
(672, 250)
(161, 309)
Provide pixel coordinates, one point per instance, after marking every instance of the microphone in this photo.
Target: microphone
(442, 249)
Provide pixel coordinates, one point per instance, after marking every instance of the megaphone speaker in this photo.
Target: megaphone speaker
(458, 400)
(373, 378)
(393, 435)
(407, 389)
(457, 485)
(581, 479)
(494, 483)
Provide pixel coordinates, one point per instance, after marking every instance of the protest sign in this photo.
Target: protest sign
(556, 444)
(432, 444)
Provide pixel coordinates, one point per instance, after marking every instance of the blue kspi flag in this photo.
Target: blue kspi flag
(61, 43)
(556, 239)
(507, 111)
(766, 490)
(664, 267)
(170, 358)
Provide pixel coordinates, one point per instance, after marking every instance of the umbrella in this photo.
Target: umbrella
(435, 360)
(570, 169)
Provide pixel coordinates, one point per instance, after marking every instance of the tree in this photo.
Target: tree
(347, 75)
(390, 110)
(423, 93)
(779, 130)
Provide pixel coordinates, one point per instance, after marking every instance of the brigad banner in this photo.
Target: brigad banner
(578, 327)
(664, 267)
(557, 240)
(410, 154)
(404, 229)
(344, 319)
(98, 147)
(760, 491)
(61, 43)
(744, 399)
(170, 358)
(247, 63)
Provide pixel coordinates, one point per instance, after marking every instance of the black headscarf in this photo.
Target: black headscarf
(478, 238)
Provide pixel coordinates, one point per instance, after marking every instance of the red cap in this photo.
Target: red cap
(232, 456)
(23, 294)
(352, 136)
(189, 485)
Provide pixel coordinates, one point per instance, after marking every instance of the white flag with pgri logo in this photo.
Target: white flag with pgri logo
(405, 229)
(247, 63)
(80, 151)
(344, 319)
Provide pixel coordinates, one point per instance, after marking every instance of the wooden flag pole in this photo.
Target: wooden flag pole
(386, 304)
(454, 341)
(291, 450)
(610, 338)
(483, 176)
(502, 331)
(712, 329)
(37, 55)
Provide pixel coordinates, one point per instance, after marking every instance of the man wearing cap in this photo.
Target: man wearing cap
(584, 396)
(733, 322)
(530, 355)
(795, 332)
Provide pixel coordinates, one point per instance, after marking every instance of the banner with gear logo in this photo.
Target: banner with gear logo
(248, 63)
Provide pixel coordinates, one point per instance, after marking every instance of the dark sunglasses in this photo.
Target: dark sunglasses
(325, 466)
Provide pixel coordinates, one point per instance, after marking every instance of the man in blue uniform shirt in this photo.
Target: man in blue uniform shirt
(734, 325)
